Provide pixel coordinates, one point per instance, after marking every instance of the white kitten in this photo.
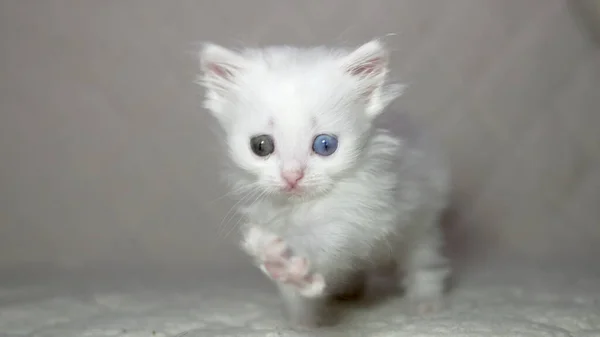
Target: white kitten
(331, 196)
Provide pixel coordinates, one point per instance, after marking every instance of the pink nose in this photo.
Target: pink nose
(292, 177)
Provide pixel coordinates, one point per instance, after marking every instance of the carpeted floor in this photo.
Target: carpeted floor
(496, 302)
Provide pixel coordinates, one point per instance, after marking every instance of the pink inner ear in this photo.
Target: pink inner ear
(220, 70)
(367, 67)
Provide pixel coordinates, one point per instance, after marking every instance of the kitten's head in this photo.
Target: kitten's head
(296, 120)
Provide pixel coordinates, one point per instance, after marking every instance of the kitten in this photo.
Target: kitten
(332, 195)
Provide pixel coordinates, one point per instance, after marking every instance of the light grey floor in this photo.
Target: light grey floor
(495, 302)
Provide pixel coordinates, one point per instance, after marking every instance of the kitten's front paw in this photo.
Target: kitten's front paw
(278, 262)
(295, 271)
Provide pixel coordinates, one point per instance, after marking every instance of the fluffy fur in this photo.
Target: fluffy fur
(373, 201)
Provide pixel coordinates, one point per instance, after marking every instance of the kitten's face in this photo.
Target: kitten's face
(294, 135)
(296, 119)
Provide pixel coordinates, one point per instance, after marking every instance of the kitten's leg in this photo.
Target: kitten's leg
(278, 262)
(426, 271)
(301, 291)
(302, 311)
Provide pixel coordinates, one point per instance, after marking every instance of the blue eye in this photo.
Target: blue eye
(325, 145)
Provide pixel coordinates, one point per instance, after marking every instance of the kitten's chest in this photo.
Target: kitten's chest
(295, 220)
(306, 229)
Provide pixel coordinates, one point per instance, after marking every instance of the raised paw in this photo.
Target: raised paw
(281, 265)
(295, 271)
(278, 262)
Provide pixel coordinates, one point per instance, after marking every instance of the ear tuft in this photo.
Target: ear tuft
(369, 60)
(219, 62)
(369, 65)
(220, 68)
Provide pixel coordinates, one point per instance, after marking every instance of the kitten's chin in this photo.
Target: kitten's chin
(293, 193)
(302, 193)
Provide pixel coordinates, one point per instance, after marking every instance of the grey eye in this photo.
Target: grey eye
(262, 145)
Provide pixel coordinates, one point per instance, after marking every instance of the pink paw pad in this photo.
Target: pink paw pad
(278, 263)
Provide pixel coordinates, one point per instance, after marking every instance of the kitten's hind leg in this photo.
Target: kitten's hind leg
(426, 272)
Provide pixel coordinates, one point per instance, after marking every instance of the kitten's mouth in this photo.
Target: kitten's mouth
(293, 190)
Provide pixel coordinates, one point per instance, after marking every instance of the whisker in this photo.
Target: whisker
(232, 210)
(237, 190)
(237, 224)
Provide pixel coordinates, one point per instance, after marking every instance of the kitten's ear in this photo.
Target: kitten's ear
(369, 65)
(220, 69)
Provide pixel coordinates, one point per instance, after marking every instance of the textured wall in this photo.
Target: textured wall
(106, 155)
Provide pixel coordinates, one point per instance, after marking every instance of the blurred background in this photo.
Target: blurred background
(108, 160)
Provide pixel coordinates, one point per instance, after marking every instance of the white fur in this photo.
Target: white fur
(371, 201)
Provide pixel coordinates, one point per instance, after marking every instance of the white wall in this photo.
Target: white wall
(106, 155)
